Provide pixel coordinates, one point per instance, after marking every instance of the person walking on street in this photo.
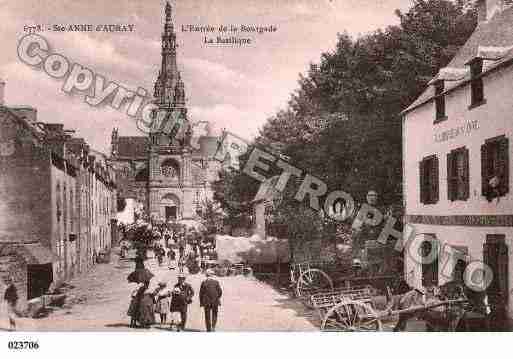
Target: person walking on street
(160, 253)
(171, 256)
(210, 299)
(146, 313)
(11, 298)
(133, 308)
(182, 303)
(181, 244)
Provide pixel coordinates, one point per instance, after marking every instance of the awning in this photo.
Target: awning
(36, 253)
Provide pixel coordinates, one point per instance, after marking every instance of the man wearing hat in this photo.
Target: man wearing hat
(210, 295)
(186, 298)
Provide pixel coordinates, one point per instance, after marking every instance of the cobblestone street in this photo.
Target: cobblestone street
(99, 301)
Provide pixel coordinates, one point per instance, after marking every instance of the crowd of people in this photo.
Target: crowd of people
(171, 304)
(184, 247)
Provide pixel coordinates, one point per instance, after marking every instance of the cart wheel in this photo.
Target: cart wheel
(351, 316)
(312, 281)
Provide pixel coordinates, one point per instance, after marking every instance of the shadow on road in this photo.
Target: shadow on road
(156, 326)
(292, 303)
(118, 325)
(300, 309)
(168, 329)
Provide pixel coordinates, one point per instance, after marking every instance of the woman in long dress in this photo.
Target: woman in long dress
(135, 303)
(147, 309)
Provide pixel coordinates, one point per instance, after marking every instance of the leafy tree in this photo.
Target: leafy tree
(343, 123)
(234, 191)
(212, 216)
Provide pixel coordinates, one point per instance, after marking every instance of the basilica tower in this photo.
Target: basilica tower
(164, 171)
(170, 195)
(169, 89)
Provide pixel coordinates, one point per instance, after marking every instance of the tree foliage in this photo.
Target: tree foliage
(234, 191)
(343, 123)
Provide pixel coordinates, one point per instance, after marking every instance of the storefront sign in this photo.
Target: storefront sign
(505, 220)
(465, 130)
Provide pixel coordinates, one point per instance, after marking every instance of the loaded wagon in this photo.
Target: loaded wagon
(363, 311)
(356, 299)
(377, 267)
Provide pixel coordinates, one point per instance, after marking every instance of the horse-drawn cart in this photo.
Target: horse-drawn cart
(362, 309)
(316, 277)
(346, 314)
(351, 299)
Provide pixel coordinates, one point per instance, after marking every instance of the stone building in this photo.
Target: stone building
(457, 162)
(167, 174)
(56, 203)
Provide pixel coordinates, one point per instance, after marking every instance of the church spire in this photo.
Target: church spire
(168, 27)
(166, 81)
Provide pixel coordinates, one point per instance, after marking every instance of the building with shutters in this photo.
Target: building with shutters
(169, 175)
(457, 159)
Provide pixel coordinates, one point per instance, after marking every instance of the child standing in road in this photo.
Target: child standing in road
(162, 297)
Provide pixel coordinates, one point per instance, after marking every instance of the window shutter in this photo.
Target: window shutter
(451, 185)
(466, 174)
(503, 160)
(422, 182)
(488, 257)
(484, 169)
(434, 181)
(502, 262)
(435, 262)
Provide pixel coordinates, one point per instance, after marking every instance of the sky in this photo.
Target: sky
(232, 87)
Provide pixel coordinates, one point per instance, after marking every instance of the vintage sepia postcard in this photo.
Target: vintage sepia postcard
(255, 166)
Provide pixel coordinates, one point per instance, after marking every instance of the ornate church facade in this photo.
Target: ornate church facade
(168, 176)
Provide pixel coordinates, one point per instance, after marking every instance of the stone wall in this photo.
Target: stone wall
(24, 187)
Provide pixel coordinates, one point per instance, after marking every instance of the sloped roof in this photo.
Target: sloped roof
(495, 34)
(133, 146)
(34, 130)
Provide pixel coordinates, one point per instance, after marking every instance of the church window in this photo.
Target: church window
(169, 168)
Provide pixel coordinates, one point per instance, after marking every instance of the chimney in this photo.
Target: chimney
(2, 92)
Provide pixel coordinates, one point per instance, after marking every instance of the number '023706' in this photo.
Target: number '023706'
(22, 345)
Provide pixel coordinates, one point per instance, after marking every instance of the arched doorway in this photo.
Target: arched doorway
(170, 205)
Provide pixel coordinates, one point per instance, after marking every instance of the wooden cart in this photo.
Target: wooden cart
(347, 314)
